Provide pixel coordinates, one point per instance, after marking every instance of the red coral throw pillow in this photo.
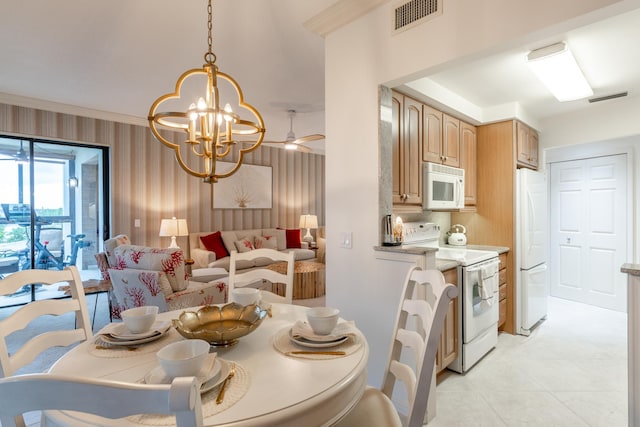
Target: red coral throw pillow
(213, 242)
(293, 238)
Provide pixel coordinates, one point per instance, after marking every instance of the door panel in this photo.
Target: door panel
(589, 231)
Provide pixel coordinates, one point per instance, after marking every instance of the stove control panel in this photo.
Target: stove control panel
(415, 232)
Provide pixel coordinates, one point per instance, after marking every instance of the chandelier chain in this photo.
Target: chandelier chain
(210, 57)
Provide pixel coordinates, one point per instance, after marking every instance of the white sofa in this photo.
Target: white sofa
(206, 259)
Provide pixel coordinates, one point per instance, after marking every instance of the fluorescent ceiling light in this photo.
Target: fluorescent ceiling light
(558, 70)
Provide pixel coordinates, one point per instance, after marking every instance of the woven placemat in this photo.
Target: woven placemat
(236, 388)
(283, 343)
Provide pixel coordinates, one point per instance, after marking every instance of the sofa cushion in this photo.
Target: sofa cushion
(213, 242)
(229, 238)
(224, 263)
(267, 242)
(170, 261)
(280, 235)
(244, 245)
(293, 238)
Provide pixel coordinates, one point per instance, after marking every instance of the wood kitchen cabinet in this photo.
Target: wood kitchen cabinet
(527, 146)
(406, 130)
(468, 162)
(448, 347)
(441, 138)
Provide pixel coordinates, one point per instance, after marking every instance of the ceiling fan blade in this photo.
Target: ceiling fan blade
(308, 138)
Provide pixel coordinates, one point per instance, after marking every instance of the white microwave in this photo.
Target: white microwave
(442, 187)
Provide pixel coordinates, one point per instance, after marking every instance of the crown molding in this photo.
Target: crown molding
(340, 14)
(57, 107)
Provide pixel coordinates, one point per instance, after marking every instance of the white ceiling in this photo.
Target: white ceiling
(117, 57)
(607, 52)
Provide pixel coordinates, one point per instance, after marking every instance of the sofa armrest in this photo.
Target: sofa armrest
(202, 257)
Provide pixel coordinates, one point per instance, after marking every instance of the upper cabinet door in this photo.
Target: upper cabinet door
(450, 141)
(396, 142)
(432, 131)
(411, 146)
(468, 149)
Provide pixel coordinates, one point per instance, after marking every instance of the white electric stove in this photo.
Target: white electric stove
(478, 298)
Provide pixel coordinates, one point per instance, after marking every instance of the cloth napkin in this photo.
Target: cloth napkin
(302, 329)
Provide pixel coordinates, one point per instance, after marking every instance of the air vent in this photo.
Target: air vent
(607, 97)
(408, 14)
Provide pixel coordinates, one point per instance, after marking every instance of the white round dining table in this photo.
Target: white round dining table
(279, 390)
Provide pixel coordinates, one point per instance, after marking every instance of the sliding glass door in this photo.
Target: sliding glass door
(53, 212)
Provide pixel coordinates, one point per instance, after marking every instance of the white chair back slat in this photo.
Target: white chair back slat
(257, 274)
(108, 399)
(79, 326)
(32, 348)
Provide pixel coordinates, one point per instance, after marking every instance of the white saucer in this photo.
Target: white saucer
(120, 332)
(306, 342)
(210, 376)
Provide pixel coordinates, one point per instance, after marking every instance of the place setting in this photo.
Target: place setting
(139, 326)
(321, 336)
(223, 382)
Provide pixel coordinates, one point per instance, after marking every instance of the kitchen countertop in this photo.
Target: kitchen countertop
(441, 264)
(631, 269)
(405, 249)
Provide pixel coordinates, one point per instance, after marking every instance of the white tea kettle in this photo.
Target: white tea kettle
(457, 235)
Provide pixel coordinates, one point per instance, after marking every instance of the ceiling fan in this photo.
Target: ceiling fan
(293, 143)
(20, 156)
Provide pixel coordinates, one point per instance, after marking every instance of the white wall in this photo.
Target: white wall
(359, 57)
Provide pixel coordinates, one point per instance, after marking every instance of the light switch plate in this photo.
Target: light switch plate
(136, 222)
(345, 239)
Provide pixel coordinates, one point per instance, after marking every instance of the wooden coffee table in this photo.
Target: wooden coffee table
(308, 279)
(93, 286)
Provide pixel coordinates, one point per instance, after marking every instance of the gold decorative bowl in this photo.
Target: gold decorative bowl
(220, 326)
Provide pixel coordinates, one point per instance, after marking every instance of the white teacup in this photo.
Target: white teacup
(139, 319)
(323, 319)
(183, 358)
(245, 296)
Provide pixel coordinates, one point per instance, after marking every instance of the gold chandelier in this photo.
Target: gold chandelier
(211, 131)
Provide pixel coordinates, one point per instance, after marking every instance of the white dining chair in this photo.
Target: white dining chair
(20, 319)
(423, 308)
(108, 399)
(256, 275)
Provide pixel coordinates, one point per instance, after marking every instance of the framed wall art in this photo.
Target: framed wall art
(249, 188)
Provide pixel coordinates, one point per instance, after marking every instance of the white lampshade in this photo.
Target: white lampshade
(308, 222)
(172, 228)
(558, 70)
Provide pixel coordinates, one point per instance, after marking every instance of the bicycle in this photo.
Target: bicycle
(46, 260)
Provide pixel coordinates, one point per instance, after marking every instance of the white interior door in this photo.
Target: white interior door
(589, 231)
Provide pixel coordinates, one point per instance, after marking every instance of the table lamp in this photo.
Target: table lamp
(308, 222)
(173, 227)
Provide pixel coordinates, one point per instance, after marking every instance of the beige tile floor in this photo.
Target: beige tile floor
(571, 371)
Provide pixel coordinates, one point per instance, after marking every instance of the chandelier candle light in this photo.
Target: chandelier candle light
(173, 228)
(211, 131)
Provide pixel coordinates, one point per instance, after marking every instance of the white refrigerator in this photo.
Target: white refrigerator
(532, 278)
